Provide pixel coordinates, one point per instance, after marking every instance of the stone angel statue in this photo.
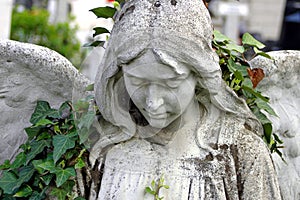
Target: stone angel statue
(165, 110)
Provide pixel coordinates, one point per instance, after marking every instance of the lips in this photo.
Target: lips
(156, 115)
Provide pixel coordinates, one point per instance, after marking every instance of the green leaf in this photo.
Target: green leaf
(63, 175)
(79, 164)
(68, 186)
(43, 122)
(268, 132)
(61, 144)
(32, 132)
(150, 191)
(5, 165)
(36, 148)
(277, 139)
(100, 30)
(235, 47)
(248, 39)
(42, 110)
(87, 120)
(83, 135)
(219, 37)
(24, 191)
(261, 53)
(79, 198)
(166, 186)
(260, 116)
(95, 44)
(39, 195)
(8, 182)
(48, 165)
(254, 92)
(47, 178)
(153, 184)
(265, 106)
(19, 161)
(231, 65)
(25, 174)
(104, 12)
(60, 194)
(44, 136)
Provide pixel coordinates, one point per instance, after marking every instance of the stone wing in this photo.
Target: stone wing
(282, 85)
(29, 73)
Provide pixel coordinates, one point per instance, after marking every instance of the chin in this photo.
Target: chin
(159, 123)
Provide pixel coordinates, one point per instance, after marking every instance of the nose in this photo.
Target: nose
(154, 97)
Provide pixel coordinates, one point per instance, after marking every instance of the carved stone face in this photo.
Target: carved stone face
(159, 91)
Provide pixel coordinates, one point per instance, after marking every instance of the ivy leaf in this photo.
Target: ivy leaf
(265, 106)
(219, 37)
(248, 39)
(42, 110)
(32, 132)
(100, 30)
(95, 44)
(79, 164)
(268, 132)
(63, 175)
(260, 116)
(48, 165)
(104, 12)
(43, 122)
(19, 161)
(36, 148)
(261, 53)
(87, 120)
(60, 194)
(24, 191)
(8, 182)
(68, 186)
(47, 178)
(25, 174)
(235, 47)
(79, 198)
(61, 144)
(38, 195)
(5, 165)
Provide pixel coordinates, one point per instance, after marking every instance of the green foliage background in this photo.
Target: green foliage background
(32, 26)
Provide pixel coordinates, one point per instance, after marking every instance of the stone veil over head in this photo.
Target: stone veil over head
(178, 33)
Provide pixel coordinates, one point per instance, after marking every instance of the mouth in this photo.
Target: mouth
(157, 115)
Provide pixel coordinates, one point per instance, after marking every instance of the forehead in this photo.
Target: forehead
(149, 65)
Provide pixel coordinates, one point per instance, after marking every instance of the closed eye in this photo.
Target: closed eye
(174, 83)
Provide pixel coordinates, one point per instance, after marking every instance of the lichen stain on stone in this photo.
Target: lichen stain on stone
(173, 2)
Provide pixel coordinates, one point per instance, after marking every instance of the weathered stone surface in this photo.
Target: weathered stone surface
(282, 85)
(168, 112)
(29, 73)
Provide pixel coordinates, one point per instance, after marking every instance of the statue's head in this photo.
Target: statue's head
(160, 58)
